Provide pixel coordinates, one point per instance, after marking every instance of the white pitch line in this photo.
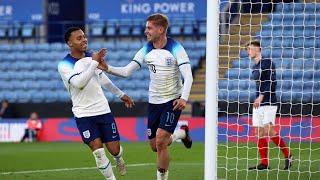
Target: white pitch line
(84, 168)
(67, 169)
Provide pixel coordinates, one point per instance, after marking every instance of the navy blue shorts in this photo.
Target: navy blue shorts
(101, 126)
(162, 116)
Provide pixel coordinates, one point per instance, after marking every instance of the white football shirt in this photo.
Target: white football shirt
(83, 81)
(165, 77)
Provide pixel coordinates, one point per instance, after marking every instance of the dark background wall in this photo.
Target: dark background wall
(67, 13)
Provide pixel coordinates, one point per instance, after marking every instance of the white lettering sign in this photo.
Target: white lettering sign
(144, 8)
(5, 10)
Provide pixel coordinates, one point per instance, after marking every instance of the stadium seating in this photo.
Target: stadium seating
(291, 39)
(29, 71)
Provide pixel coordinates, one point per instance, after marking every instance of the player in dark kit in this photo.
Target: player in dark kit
(264, 107)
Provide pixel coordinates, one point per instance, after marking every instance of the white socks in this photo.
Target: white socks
(162, 176)
(103, 164)
(119, 155)
(178, 134)
(120, 164)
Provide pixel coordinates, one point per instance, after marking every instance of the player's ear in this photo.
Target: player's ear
(161, 29)
(69, 44)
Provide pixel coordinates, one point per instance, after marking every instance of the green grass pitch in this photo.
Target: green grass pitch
(74, 161)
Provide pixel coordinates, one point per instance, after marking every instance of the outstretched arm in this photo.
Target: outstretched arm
(125, 71)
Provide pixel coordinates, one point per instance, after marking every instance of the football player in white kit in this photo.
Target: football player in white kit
(83, 79)
(167, 61)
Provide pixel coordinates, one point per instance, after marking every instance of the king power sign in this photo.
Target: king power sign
(139, 9)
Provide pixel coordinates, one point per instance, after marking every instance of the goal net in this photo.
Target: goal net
(289, 33)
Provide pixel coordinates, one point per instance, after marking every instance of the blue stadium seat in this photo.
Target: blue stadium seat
(222, 84)
(200, 44)
(97, 29)
(45, 85)
(14, 29)
(137, 27)
(43, 47)
(30, 47)
(176, 27)
(284, 96)
(27, 30)
(202, 27)
(37, 96)
(110, 96)
(233, 96)
(50, 96)
(11, 96)
(298, 53)
(3, 30)
(308, 75)
(18, 85)
(122, 45)
(286, 85)
(5, 85)
(135, 45)
(23, 96)
(56, 47)
(63, 96)
(125, 27)
(5, 47)
(32, 85)
(297, 64)
(111, 29)
(188, 27)
(222, 95)
(297, 86)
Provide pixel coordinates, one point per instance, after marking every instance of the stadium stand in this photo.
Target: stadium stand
(291, 39)
(30, 70)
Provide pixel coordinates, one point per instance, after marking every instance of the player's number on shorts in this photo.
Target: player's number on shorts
(114, 128)
(170, 117)
(153, 68)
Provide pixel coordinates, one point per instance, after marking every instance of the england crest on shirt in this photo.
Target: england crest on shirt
(169, 61)
(86, 134)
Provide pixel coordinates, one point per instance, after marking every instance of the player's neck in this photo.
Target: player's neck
(160, 43)
(77, 54)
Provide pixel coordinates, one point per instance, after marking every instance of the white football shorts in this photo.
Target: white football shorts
(264, 115)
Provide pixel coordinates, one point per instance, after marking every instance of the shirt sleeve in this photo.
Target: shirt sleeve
(107, 84)
(186, 72)
(139, 57)
(123, 71)
(180, 54)
(75, 77)
(266, 77)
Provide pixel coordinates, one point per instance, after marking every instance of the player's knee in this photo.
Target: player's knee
(261, 133)
(95, 145)
(161, 143)
(152, 144)
(154, 148)
(114, 151)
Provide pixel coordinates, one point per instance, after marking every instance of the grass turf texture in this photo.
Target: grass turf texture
(233, 161)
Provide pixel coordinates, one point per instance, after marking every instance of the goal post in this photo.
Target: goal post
(211, 99)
